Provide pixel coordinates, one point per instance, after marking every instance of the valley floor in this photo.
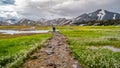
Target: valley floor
(78, 47)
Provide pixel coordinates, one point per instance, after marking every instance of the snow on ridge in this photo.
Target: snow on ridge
(114, 16)
(90, 14)
(29, 22)
(78, 18)
(101, 14)
(22, 20)
(10, 22)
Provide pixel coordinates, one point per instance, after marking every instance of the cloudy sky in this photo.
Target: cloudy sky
(36, 9)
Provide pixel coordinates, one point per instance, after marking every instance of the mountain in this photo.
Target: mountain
(57, 21)
(97, 15)
(2, 23)
(42, 21)
(11, 21)
(26, 22)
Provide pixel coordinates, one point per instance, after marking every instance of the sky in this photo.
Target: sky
(49, 9)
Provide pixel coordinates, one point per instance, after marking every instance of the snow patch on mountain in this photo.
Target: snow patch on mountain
(90, 14)
(22, 20)
(114, 16)
(9, 21)
(101, 15)
(29, 22)
(78, 18)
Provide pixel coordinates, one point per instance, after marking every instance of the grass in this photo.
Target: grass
(81, 38)
(24, 27)
(13, 51)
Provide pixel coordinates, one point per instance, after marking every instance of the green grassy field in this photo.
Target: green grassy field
(24, 27)
(86, 43)
(14, 49)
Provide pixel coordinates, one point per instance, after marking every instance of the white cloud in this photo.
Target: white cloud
(9, 12)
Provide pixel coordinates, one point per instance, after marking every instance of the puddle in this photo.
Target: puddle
(106, 47)
(112, 48)
(22, 32)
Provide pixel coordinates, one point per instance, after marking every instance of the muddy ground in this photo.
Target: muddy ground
(54, 54)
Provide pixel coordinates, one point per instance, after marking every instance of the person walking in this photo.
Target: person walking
(53, 28)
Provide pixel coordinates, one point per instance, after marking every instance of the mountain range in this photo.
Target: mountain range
(99, 15)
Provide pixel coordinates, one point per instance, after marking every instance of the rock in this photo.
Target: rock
(38, 51)
(67, 47)
(34, 57)
(58, 65)
(39, 55)
(59, 44)
(49, 52)
(74, 66)
(46, 58)
(55, 66)
(74, 58)
(44, 46)
(49, 46)
(70, 52)
(50, 64)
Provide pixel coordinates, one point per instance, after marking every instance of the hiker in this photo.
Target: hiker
(53, 28)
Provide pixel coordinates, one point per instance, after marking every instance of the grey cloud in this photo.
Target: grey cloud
(89, 6)
(35, 9)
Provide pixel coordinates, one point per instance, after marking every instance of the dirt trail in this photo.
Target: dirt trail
(54, 54)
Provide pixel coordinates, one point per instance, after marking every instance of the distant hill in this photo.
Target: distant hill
(41, 22)
(2, 23)
(26, 22)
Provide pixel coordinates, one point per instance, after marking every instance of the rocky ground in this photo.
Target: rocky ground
(54, 54)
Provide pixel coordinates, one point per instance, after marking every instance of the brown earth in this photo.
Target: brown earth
(54, 54)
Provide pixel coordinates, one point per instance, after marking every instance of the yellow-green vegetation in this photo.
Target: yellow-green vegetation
(13, 51)
(82, 38)
(24, 27)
